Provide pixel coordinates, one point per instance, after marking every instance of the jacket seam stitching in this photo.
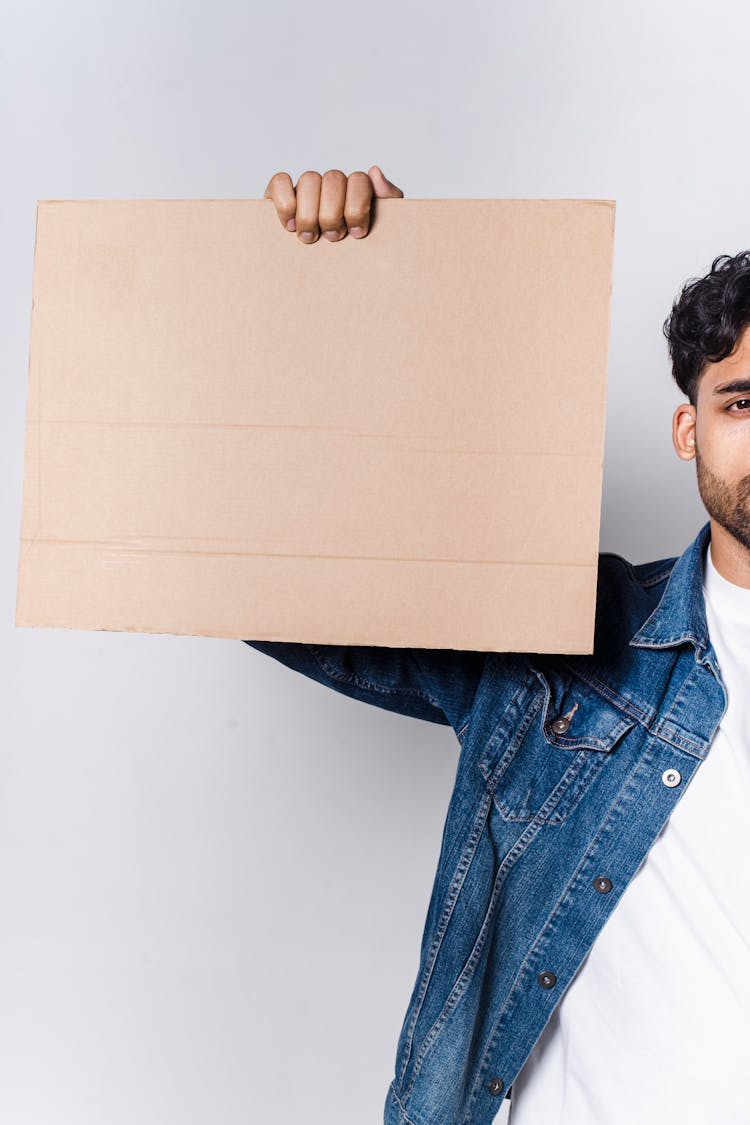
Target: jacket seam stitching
(511, 858)
(652, 580)
(653, 723)
(538, 941)
(370, 685)
(655, 579)
(406, 1120)
(610, 695)
(457, 883)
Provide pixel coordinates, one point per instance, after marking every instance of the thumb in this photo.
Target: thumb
(382, 187)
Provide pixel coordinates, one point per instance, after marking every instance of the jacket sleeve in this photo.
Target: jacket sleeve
(434, 684)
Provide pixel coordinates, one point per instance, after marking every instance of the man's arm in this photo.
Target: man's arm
(434, 684)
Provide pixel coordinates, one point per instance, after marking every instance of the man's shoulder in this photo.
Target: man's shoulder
(616, 568)
(626, 595)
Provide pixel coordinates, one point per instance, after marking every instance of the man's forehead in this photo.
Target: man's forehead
(732, 366)
(741, 353)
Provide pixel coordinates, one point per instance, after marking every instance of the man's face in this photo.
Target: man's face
(717, 432)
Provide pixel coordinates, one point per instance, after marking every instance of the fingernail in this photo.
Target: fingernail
(357, 231)
(307, 236)
(331, 235)
(291, 224)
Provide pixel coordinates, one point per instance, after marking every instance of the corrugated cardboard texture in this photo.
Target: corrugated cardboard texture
(393, 441)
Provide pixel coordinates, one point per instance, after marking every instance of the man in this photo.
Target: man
(578, 789)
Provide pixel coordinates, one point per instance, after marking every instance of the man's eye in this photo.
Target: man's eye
(737, 403)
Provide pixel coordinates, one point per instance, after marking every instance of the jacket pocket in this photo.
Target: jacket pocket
(552, 757)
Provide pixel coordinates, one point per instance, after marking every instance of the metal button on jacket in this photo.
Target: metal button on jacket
(495, 1086)
(547, 980)
(671, 778)
(602, 884)
(562, 722)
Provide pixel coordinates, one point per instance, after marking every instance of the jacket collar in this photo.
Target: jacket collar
(681, 615)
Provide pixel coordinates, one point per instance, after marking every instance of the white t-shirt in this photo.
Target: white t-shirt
(655, 1026)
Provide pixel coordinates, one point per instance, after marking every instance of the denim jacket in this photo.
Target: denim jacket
(569, 767)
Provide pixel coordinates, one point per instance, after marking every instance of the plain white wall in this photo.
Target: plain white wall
(214, 873)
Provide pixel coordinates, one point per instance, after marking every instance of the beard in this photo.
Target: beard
(725, 503)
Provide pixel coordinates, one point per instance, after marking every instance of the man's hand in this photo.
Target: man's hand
(332, 203)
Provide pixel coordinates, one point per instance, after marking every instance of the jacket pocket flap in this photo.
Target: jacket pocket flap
(576, 717)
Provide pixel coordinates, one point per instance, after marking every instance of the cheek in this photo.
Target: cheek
(724, 443)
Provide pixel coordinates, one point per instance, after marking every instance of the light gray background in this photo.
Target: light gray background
(214, 873)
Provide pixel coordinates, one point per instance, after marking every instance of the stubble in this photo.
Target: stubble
(726, 504)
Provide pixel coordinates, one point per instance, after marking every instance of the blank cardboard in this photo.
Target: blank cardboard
(390, 441)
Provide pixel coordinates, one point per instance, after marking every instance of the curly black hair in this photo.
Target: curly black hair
(707, 319)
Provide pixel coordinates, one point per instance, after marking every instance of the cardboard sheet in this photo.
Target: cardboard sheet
(393, 441)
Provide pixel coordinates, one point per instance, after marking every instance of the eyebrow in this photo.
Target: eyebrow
(731, 388)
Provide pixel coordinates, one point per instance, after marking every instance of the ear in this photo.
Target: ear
(683, 431)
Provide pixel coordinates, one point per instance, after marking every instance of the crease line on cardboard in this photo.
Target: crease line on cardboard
(124, 550)
(323, 429)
